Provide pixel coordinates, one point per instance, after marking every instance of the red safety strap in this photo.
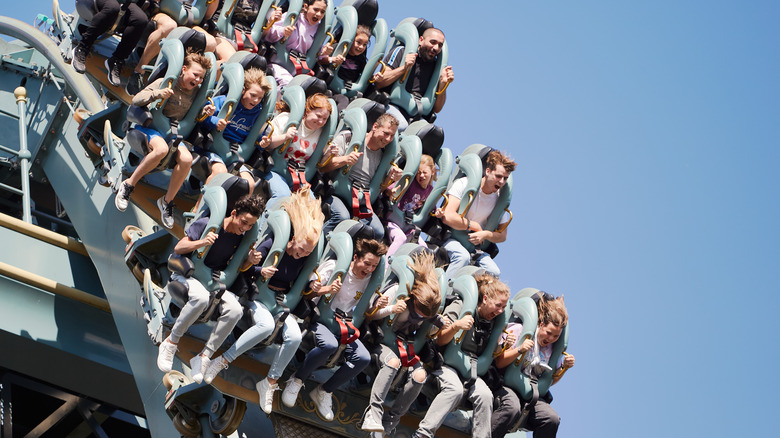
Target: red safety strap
(240, 39)
(347, 328)
(298, 178)
(301, 66)
(405, 355)
(361, 204)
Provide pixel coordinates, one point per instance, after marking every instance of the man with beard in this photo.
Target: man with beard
(421, 67)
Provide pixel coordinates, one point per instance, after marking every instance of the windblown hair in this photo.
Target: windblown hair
(254, 205)
(255, 76)
(197, 58)
(369, 246)
(553, 312)
(427, 160)
(386, 120)
(491, 287)
(305, 214)
(425, 290)
(494, 158)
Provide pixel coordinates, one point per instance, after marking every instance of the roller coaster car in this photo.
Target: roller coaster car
(282, 56)
(531, 388)
(340, 248)
(295, 97)
(355, 118)
(406, 39)
(471, 165)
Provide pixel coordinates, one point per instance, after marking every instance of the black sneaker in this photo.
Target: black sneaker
(135, 83)
(114, 70)
(79, 58)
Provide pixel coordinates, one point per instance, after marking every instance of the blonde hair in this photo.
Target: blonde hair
(553, 312)
(427, 160)
(255, 76)
(491, 287)
(305, 214)
(425, 290)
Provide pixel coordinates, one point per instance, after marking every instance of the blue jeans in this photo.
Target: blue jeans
(460, 257)
(340, 213)
(264, 325)
(326, 344)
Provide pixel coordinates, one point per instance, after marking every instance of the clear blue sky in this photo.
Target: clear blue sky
(647, 139)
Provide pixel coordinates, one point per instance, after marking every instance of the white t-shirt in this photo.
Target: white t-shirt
(483, 204)
(302, 145)
(352, 288)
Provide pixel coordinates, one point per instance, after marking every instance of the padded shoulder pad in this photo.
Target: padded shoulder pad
(311, 85)
(367, 10)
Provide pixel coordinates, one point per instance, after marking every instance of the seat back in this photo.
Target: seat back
(343, 30)
(232, 81)
(185, 14)
(407, 35)
(514, 376)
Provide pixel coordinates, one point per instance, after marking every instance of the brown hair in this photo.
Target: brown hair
(362, 29)
(255, 76)
(553, 312)
(494, 158)
(197, 58)
(386, 119)
(425, 290)
(253, 205)
(490, 287)
(369, 246)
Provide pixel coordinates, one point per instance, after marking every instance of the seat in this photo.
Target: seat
(514, 376)
(294, 96)
(227, 28)
(231, 83)
(470, 164)
(355, 118)
(456, 354)
(431, 140)
(407, 34)
(366, 14)
(293, 13)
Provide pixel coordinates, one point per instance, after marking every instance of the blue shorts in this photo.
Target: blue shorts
(150, 133)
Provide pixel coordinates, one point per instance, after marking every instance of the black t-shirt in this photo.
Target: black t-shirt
(289, 268)
(420, 74)
(355, 66)
(221, 251)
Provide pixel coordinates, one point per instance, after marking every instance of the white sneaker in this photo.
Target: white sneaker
(324, 402)
(215, 366)
(371, 423)
(123, 195)
(165, 355)
(291, 390)
(266, 391)
(198, 365)
(166, 212)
